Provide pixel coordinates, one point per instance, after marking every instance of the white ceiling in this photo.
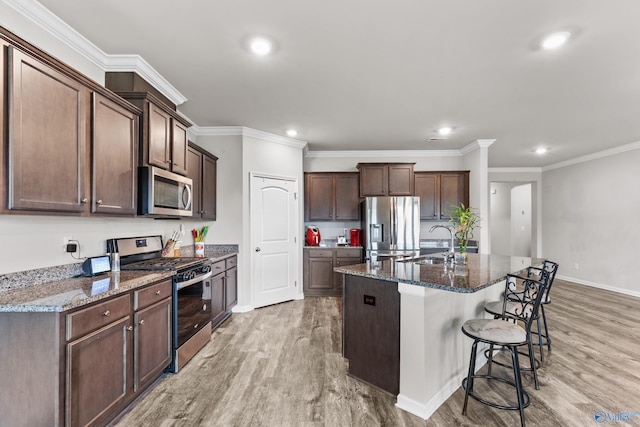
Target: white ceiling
(381, 75)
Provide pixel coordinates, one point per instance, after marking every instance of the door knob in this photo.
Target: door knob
(258, 249)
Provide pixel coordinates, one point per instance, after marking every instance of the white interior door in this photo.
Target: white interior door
(274, 225)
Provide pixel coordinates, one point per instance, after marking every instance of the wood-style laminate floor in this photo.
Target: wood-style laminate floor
(282, 366)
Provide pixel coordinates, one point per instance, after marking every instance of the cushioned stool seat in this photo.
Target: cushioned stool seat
(495, 330)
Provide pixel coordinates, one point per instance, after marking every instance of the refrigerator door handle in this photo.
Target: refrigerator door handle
(394, 225)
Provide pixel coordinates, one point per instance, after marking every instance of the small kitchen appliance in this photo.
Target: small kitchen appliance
(354, 237)
(313, 236)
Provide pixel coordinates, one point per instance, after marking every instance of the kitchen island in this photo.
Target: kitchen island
(402, 320)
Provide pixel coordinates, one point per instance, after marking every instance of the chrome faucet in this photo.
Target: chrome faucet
(451, 253)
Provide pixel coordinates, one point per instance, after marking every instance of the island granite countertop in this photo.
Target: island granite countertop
(72, 292)
(480, 272)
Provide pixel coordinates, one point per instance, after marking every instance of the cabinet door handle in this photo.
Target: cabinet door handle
(106, 313)
(83, 200)
(99, 202)
(129, 328)
(141, 322)
(258, 249)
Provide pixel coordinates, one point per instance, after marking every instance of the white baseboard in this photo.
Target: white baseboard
(242, 308)
(425, 410)
(600, 286)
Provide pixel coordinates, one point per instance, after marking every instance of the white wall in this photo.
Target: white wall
(521, 220)
(346, 162)
(34, 241)
(590, 212)
(228, 225)
(500, 212)
(477, 161)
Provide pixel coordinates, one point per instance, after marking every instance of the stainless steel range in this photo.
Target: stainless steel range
(191, 295)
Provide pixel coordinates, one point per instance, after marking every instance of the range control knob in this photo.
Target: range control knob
(188, 275)
(206, 268)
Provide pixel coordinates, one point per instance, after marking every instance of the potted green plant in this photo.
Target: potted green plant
(465, 221)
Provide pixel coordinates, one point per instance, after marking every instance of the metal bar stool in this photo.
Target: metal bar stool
(551, 268)
(495, 308)
(527, 293)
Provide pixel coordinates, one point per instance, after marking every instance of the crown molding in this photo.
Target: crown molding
(516, 170)
(248, 132)
(137, 64)
(478, 143)
(45, 19)
(270, 137)
(385, 153)
(594, 156)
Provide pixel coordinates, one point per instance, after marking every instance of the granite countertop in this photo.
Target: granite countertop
(481, 271)
(72, 292)
(331, 244)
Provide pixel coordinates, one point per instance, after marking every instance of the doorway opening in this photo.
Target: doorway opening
(512, 218)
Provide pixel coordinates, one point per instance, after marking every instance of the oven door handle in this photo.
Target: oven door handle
(180, 285)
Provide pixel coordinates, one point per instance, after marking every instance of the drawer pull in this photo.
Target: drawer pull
(106, 313)
(157, 292)
(196, 326)
(141, 322)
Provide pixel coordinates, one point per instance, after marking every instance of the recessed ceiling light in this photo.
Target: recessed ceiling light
(292, 133)
(541, 150)
(555, 40)
(444, 131)
(261, 46)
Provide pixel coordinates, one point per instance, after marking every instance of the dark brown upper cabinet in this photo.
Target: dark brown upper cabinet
(438, 191)
(331, 196)
(70, 145)
(202, 169)
(178, 148)
(114, 157)
(163, 133)
(47, 137)
(386, 179)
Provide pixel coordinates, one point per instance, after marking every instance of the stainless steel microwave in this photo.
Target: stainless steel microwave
(164, 194)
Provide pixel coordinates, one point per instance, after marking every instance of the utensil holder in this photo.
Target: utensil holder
(199, 249)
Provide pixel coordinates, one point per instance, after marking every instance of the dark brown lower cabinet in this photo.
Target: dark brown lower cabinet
(83, 366)
(224, 289)
(97, 376)
(152, 343)
(231, 288)
(319, 278)
(218, 306)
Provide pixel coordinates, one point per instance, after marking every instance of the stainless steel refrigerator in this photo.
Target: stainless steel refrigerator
(390, 226)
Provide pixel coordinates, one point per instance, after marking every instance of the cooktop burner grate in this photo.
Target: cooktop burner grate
(163, 264)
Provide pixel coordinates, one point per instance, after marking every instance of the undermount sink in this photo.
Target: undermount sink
(424, 259)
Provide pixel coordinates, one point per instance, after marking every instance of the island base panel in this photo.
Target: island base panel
(371, 328)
